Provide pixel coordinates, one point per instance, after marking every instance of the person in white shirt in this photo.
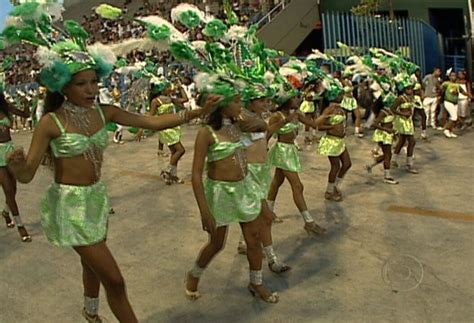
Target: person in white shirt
(431, 87)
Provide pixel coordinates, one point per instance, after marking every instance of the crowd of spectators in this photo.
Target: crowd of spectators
(106, 31)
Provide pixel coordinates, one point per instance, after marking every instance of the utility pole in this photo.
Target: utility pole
(469, 40)
(390, 10)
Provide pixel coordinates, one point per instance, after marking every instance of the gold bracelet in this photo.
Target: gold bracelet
(182, 116)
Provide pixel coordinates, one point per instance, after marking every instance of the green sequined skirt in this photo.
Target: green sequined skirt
(307, 107)
(75, 215)
(232, 202)
(382, 137)
(349, 103)
(170, 137)
(5, 148)
(285, 156)
(404, 126)
(261, 175)
(331, 146)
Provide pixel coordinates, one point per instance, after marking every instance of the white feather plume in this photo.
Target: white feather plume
(205, 81)
(382, 51)
(102, 51)
(159, 21)
(12, 21)
(235, 32)
(318, 55)
(46, 57)
(268, 77)
(182, 7)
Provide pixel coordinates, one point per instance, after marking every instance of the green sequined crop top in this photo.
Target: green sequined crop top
(75, 144)
(336, 119)
(221, 149)
(288, 128)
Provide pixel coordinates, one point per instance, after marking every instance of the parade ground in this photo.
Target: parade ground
(393, 253)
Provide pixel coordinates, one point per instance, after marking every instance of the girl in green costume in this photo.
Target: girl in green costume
(161, 103)
(256, 100)
(332, 144)
(350, 105)
(227, 194)
(285, 158)
(403, 111)
(418, 98)
(308, 107)
(75, 209)
(6, 177)
(451, 90)
(383, 136)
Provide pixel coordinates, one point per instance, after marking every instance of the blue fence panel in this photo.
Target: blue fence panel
(413, 37)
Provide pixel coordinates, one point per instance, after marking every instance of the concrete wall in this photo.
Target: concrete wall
(291, 26)
(416, 8)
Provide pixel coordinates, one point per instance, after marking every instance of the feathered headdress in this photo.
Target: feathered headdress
(61, 52)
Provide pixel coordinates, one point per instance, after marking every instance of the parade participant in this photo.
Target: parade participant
(161, 103)
(403, 123)
(7, 178)
(332, 144)
(74, 212)
(227, 194)
(309, 109)
(256, 102)
(431, 87)
(383, 136)
(285, 158)
(419, 110)
(350, 105)
(463, 101)
(451, 90)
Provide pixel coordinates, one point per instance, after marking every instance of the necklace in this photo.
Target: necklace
(235, 135)
(80, 118)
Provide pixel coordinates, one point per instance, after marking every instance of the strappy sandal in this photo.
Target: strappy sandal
(166, 177)
(242, 248)
(192, 296)
(9, 221)
(332, 197)
(278, 267)
(176, 180)
(92, 318)
(273, 298)
(25, 237)
(313, 228)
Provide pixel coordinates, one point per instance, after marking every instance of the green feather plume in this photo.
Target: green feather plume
(215, 28)
(189, 19)
(107, 11)
(77, 32)
(55, 77)
(158, 33)
(27, 10)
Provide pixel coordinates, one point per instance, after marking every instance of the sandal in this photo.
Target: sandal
(313, 228)
(176, 180)
(9, 221)
(91, 318)
(25, 237)
(278, 267)
(191, 295)
(332, 197)
(166, 177)
(272, 298)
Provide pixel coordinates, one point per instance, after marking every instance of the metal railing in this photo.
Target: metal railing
(272, 13)
(457, 62)
(363, 32)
